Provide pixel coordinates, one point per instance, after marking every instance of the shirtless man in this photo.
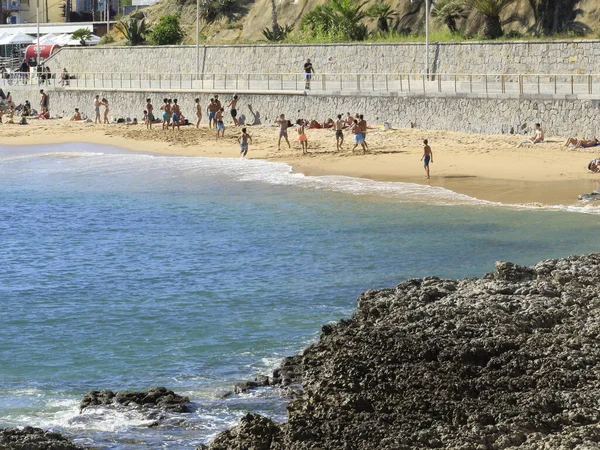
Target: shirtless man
(220, 123)
(232, 105)
(218, 102)
(538, 136)
(97, 104)
(358, 136)
(149, 114)
(166, 115)
(176, 112)
(198, 113)
(339, 134)
(44, 104)
(212, 109)
(427, 157)
(283, 126)
(362, 123)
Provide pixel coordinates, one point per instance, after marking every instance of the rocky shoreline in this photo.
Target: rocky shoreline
(504, 361)
(509, 360)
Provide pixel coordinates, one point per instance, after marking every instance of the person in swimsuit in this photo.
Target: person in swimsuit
(243, 140)
(44, 105)
(212, 109)
(303, 139)
(166, 115)
(339, 134)
(308, 71)
(220, 123)
(427, 157)
(362, 123)
(582, 143)
(97, 104)
(232, 105)
(176, 112)
(198, 113)
(106, 110)
(358, 136)
(149, 114)
(77, 115)
(284, 124)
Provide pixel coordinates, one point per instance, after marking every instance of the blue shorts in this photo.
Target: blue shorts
(358, 139)
(308, 76)
(175, 117)
(243, 147)
(211, 115)
(426, 160)
(166, 116)
(220, 126)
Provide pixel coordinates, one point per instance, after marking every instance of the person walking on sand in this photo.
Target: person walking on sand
(44, 103)
(339, 134)
(358, 136)
(220, 123)
(149, 114)
(176, 111)
(166, 115)
(106, 110)
(97, 104)
(284, 124)
(302, 138)
(243, 140)
(212, 109)
(308, 71)
(232, 105)
(427, 157)
(198, 113)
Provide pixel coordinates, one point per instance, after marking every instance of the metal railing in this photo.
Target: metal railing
(341, 83)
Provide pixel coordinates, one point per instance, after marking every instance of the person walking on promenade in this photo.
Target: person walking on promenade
(339, 134)
(427, 157)
(232, 105)
(308, 71)
(198, 113)
(149, 114)
(97, 104)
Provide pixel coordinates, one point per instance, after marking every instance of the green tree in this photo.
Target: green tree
(339, 18)
(167, 31)
(490, 10)
(279, 34)
(134, 30)
(82, 35)
(383, 13)
(449, 12)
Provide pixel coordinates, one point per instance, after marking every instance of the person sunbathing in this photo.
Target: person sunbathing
(594, 165)
(582, 143)
(77, 115)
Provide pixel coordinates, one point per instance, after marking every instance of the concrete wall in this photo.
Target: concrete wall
(467, 114)
(556, 57)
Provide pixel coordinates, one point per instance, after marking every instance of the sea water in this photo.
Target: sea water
(126, 271)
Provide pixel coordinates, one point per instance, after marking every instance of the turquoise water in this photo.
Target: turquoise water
(127, 271)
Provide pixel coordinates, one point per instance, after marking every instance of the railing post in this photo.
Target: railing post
(214, 78)
(589, 84)
(408, 79)
(555, 87)
(281, 79)
(180, 80)
(486, 84)
(455, 83)
(439, 80)
(471, 84)
(373, 82)
(538, 83)
(520, 84)
(111, 80)
(572, 84)
(387, 86)
(268, 82)
(248, 81)
(503, 84)
(84, 80)
(423, 79)
(400, 82)
(324, 82)
(341, 85)
(358, 81)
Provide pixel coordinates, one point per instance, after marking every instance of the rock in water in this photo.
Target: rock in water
(30, 438)
(159, 397)
(509, 360)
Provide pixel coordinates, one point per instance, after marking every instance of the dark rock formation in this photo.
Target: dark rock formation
(509, 360)
(158, 397)
(30, 438)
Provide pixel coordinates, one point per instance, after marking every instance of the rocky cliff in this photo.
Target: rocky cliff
(509, 360)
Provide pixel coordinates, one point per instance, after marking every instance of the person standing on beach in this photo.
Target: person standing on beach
(308, 71)
(166, 115)
(232, 105)
(339, 134)
(427, 157)
(212, 109)
(176, 111)
(218, 102)
(358, 136)
(284, 124)
(243, 140)
(106, 110)
(302, 138)
(198, 113)
(97, 104)
(149, 114)
(362, 123)
(44, 104)
(220, 123)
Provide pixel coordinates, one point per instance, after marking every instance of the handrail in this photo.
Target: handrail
(448, 83)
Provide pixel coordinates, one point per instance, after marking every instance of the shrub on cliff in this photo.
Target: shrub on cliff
(167, 31)
(338, 19)
(491, 10)
(134, 30)
(449, 12)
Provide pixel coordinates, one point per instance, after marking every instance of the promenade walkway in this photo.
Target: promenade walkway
(332, 84)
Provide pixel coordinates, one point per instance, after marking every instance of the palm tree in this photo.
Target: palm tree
(82, 35)
(490, 10)
(449, 12)
(383, 13)
(342, 18)
(134, 30)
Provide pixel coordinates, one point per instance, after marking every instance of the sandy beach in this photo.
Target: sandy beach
(488, 167)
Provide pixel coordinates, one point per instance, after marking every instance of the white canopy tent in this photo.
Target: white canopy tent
(16, 39)
(46, 39)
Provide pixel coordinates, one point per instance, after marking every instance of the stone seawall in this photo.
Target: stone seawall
(473, 114)
(556, 57)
